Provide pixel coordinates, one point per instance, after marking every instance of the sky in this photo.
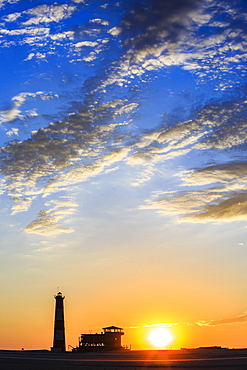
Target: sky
(123, 172)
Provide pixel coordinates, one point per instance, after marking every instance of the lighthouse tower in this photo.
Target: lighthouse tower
(59, 332)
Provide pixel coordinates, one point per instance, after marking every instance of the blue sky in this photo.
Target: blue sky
(123, 132)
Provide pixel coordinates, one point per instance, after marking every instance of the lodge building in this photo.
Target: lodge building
(108, 340)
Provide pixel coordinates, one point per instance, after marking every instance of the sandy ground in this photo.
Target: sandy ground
(139, 360)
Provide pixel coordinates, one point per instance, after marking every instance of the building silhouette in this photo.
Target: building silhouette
(108, 340)
(59, 331)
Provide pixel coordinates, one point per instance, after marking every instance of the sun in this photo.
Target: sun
(160, 337)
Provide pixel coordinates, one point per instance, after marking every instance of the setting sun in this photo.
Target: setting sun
(160, 337)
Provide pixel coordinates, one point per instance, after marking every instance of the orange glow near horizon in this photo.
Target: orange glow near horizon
(35, 314)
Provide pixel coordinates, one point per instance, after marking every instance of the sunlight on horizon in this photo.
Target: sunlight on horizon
(160, 337)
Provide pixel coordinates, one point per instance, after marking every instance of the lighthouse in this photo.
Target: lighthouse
(59, 332)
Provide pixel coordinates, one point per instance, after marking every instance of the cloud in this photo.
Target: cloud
(46, 224)
(115, 31)
(100, 21)
(232, 209)
(160, 325)
(45, 249)
(235, 320)
(86, 43)
(46, 14)
(13, 131)
(78, 174)
(147, 22)
(62, 35)
(50, 222)
(144, 176)
(11, 17)
(32, 27)
(9, 115)
(35, 55)
(21, 204)
(235, 172)
(30, 31)
(212, 129)
(225, 201)
(13, 113)
(5, 2)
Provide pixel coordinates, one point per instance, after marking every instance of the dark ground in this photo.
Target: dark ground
(139, 360)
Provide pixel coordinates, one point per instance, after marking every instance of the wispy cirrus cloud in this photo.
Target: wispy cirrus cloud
(234, 320)
(159, 325)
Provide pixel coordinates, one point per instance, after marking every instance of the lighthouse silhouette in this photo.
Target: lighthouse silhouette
(59, 332)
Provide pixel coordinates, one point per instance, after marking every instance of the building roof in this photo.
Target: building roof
(112, 327)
